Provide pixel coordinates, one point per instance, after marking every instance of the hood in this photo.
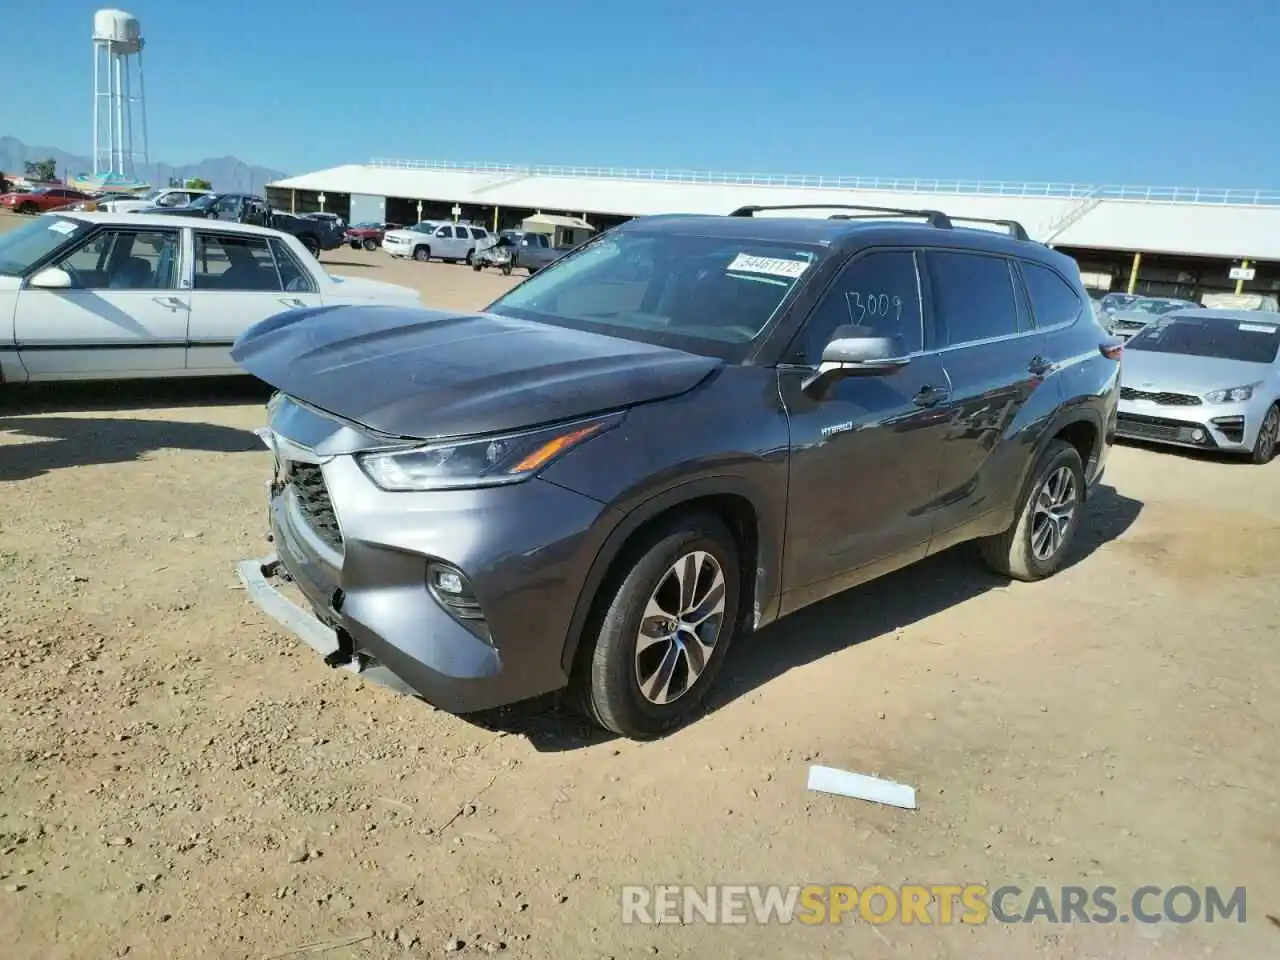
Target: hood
(364, 289)
(427, 374)
(8, 283)
(404, 234)
(1179, 373)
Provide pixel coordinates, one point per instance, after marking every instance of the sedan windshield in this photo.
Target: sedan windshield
(1221, 338)
(1156, 307)
(32, 242)
(203, 201)
(709, 295)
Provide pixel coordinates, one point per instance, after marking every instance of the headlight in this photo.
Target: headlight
(480, 461)
(1231, 394)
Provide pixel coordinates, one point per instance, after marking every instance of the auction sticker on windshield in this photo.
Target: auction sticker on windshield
(62, 226)
(770, 266)
(1256, 328)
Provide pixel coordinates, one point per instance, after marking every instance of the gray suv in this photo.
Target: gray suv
(685, 429)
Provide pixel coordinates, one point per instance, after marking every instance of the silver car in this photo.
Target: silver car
(1133, 316)
(1204, 378)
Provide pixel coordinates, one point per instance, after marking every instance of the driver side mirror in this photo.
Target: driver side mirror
(856, 352)
(50, 278)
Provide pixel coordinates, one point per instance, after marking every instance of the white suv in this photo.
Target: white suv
(437, 239)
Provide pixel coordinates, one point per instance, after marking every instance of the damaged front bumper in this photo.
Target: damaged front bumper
(264, 579)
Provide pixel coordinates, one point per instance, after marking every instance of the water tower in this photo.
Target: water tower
(119, 97)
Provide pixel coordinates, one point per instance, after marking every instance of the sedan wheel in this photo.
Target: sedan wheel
(1264, 448)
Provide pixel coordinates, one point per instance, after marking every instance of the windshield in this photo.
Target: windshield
(153, 195)
(32, 242)
(426, 226)
(1220, 338)
(709, 295)
(203, 201)
(1155, 307)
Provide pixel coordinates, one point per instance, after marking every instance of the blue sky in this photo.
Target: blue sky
(1164, 92)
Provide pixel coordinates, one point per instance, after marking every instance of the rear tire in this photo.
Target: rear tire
(476, 267)
(470, 254)
(1264, 447)
(422, 254)
(506, 269)
(685, 572)
(312, 245)
(1048, 515)
(371, 245)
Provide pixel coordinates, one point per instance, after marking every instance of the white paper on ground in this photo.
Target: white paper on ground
(845, 784)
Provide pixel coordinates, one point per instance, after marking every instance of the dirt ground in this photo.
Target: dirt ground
(178, 778)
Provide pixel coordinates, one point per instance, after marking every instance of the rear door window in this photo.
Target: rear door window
(973, 297)
(1052, 299)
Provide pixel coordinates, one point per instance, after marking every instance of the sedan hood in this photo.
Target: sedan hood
(1179, 373)
(428, 374)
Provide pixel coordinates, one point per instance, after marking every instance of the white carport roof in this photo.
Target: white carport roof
(1188, 221)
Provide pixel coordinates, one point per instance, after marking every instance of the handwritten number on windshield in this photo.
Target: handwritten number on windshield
(864, 307)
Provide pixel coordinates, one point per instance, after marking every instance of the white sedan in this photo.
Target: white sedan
(104, 296)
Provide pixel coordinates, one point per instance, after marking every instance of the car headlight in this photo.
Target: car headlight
(1231, 394)
(480, 461)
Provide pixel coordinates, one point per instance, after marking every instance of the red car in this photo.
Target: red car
(368, 235)
(42, 200)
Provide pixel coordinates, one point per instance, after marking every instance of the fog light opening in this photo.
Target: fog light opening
(451, 589)
(1198, 435)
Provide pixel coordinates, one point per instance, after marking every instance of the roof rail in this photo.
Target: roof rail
(1016, 230)
(936, 218)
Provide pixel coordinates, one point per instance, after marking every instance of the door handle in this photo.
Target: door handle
(929, 396)
(172, 302)
(292, 302)
(1039, 366)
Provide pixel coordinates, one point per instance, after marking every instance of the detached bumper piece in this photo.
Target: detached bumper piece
(1133, 426)
(260, 578)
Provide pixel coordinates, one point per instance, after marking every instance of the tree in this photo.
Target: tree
(41, 170)
(196, 183)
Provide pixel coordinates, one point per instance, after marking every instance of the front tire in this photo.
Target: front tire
(659, 643)
(371, 245)
(1264, 448)
(30, 209)
(1037, 541)
(476, 267)
(422, 254)
(312, 245)
(506, 269)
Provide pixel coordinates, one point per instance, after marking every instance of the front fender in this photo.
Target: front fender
(766, 591)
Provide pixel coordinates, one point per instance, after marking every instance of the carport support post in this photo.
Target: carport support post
(1133, 272)
(293, 201)
(1240, 283)
(495, 219)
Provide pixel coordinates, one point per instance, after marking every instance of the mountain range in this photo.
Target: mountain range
(224, 173)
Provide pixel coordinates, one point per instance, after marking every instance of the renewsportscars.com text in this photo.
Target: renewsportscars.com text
(814, 904)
